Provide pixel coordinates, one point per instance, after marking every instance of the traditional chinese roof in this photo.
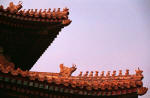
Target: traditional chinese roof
(26, 34)
(87, 84)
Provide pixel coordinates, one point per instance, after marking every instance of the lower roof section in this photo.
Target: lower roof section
(51, 84)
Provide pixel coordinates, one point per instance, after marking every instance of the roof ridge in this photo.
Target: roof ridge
(108, 84)
(15, 11)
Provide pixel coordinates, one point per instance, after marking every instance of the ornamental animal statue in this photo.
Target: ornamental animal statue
(96, 74)
(108, 74)
(66, 71)
(139, 72)
(127, 72)
(102, 74)
(63, 13)
(14, 8)
(114, 73)
(91, 74)
(80, 74)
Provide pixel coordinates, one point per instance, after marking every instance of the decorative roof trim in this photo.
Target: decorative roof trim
(15, 12)
(113, 84)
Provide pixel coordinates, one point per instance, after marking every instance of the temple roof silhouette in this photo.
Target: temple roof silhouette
(25, 35)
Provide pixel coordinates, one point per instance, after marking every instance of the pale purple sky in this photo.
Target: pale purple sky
(104, 35)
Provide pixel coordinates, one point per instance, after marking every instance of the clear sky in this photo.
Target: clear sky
(104, 35)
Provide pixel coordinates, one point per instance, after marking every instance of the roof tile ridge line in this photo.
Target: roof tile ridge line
(34, 75)
(66, 82)
(45, 14)
(113, 75)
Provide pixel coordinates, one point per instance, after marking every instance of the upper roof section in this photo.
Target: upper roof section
(35, 15)
(26, 34)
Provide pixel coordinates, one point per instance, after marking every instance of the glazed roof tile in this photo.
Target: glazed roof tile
(35, 15)
(101, 82)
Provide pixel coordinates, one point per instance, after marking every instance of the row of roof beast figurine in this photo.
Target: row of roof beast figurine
(65, 71)
(87, 74)
(15, 9)
(123, 84)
